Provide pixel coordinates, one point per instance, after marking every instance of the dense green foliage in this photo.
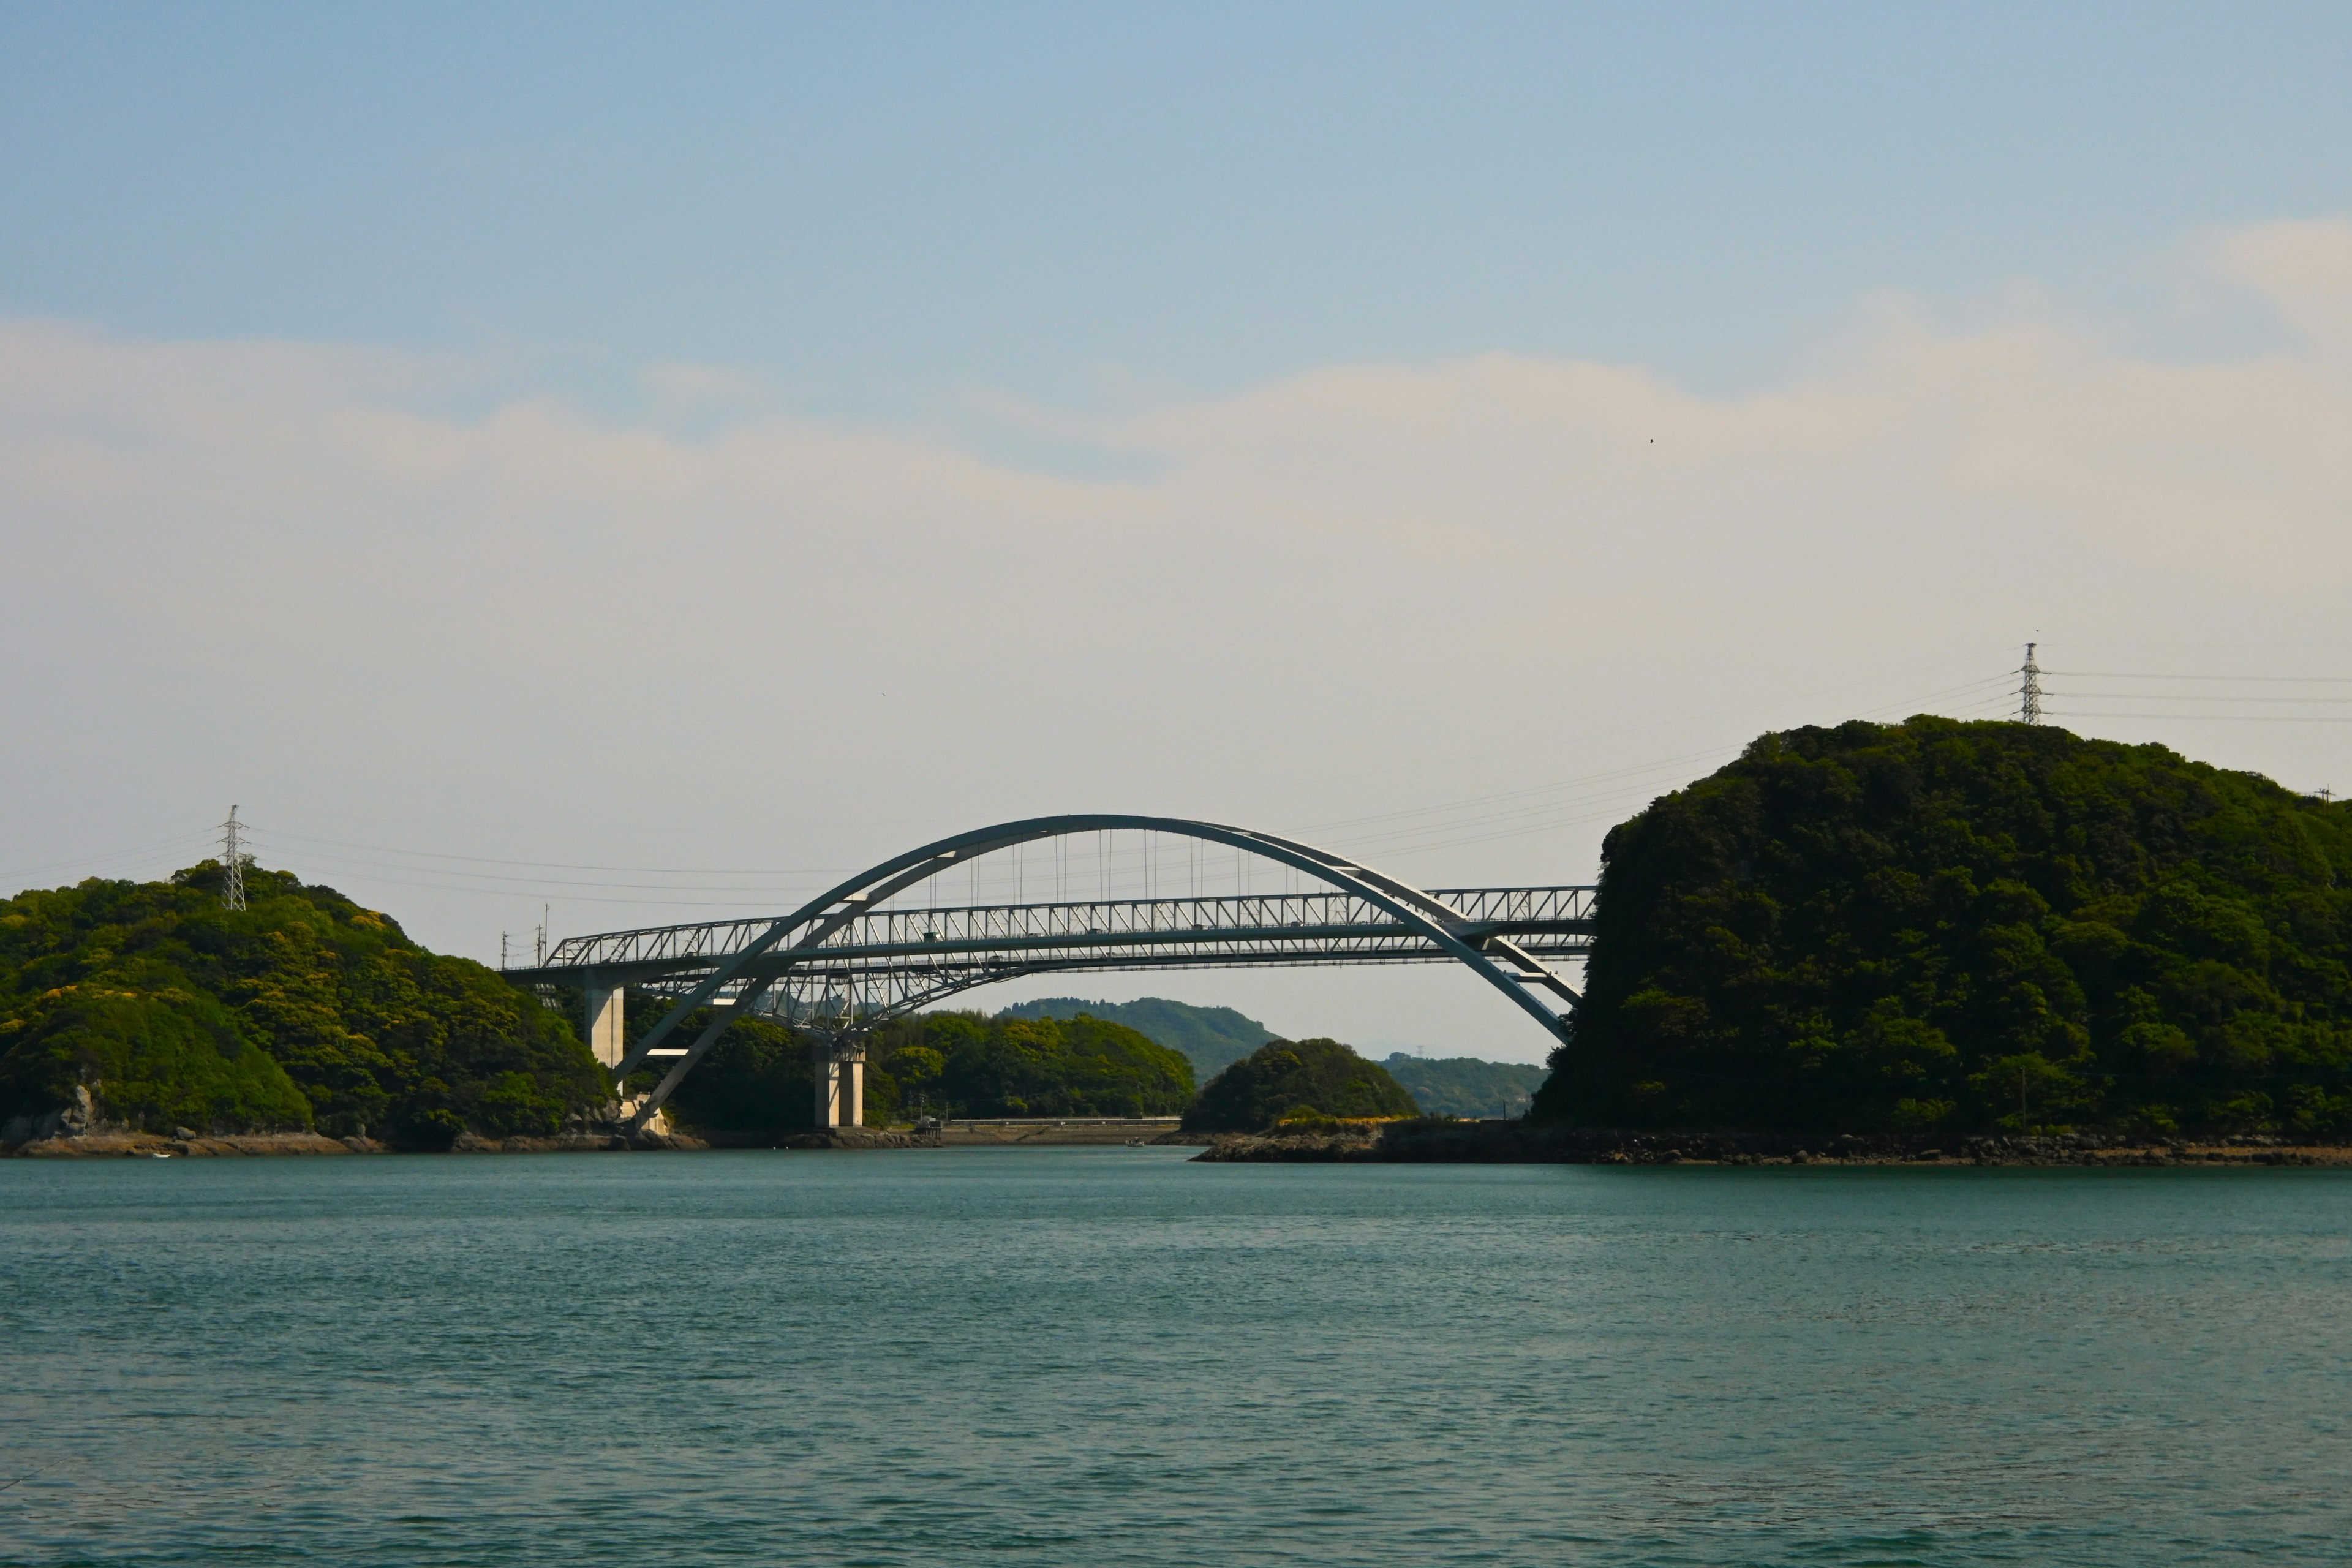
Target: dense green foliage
(1288, 1079)
(1464, 1086)
(966, 1065)
(300, 1010)
(760, 1075)
(157, 1059)
(757, 1077)
(1212, 1039)
(1916, 927)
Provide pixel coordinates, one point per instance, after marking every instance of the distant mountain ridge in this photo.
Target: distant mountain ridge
(1465, 1086)
(1210, 1039)
(1213, 1038)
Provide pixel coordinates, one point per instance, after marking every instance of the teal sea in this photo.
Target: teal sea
(1111, 1356)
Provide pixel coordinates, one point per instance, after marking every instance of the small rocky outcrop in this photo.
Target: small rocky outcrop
(75, 1118)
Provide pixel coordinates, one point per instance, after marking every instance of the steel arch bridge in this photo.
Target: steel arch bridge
(848, 960)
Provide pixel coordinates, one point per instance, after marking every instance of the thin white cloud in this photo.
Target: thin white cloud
(1362, 586)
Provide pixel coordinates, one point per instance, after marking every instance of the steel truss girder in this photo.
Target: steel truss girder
(632, 956)
(734, 964)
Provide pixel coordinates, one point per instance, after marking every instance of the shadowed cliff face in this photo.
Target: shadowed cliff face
(1969, 927)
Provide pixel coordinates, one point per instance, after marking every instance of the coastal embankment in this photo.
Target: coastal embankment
(1028, 1133)
(1424, 1141)
(1037, 1131)
(114, 1144)
(1518, 1143)
(966, 1133)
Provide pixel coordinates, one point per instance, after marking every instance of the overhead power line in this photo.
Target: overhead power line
(2221, 718)
(749, 902)
(2248, 679)
(2192, 697)
(1521, 813)
(567, 866)
(524, 880)
(88, 863)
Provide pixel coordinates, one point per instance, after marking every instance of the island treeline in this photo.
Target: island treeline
(760, 1075)
(1933, 929)
(1296, 1079)
(1939, 927)
(150, 1006)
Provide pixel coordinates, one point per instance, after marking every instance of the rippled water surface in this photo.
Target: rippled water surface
(1112, 1356)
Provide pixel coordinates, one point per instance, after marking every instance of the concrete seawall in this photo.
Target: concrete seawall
(1041, 1131)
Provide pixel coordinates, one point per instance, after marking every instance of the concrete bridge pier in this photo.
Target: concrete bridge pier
(601, 1017)
(841, 1083)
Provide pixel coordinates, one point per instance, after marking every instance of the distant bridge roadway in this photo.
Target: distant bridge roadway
(865, 953)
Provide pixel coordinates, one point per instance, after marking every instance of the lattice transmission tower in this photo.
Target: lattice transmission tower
(2028, 691)
(234, 860)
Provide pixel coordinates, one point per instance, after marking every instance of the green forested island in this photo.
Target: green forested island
(152, 1007)
(1941, 927)
(759, 1075)
(302, 1011)
(1287, 1079)
(1214, 1039)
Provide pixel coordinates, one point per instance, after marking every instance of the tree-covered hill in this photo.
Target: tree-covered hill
(1212, 1039)
(300, 1010)
(759, 1075)
(1465, 1086)
(1944, 927)
(973, 1066)
(1292, 1077)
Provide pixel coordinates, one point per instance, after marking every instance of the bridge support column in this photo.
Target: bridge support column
(841, 1085)
(600, 1018)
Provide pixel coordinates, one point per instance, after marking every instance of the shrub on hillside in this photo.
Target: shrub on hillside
(757, 1077)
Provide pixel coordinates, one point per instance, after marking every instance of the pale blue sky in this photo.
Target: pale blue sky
(487, 441)
(881, 207)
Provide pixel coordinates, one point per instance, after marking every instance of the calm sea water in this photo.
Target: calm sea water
(1111, 1356)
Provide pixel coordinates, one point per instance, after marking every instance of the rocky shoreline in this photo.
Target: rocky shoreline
(115, 1144)
(1517, 1143)
(1431, 1141)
